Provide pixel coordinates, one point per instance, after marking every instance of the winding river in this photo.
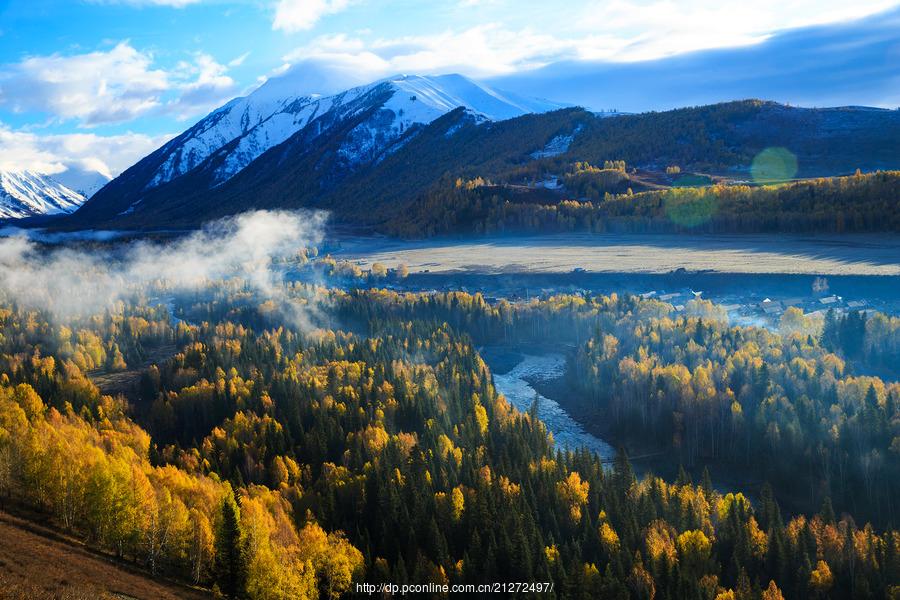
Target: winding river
(567, 432)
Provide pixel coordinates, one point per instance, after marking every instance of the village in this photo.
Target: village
(747, 299)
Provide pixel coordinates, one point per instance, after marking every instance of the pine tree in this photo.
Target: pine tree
(827, 512)
(230, 567)
(683, 478)
(769, 515)
(830, 331)
(623, 476)
(706, 484)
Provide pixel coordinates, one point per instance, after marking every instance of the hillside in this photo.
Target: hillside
(305, 462)
(376, 182)
(65, 568)
(826, 141)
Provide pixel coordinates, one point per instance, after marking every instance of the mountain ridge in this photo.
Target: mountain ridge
(376, 149)
(27, 194)
(222, 144)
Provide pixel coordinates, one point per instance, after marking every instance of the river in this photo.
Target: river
(567, 432)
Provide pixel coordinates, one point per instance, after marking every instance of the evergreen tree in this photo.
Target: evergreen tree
(230, 566)
(623, 475)
(827, 512)
(706, 483)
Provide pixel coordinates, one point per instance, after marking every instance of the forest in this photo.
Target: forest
(594, 201)
(262, 460)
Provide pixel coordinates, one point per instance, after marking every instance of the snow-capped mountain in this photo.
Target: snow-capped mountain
(346, 131)
(26, 194)
(273, 113)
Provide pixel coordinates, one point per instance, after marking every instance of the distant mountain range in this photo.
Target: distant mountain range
(368, 153)
(26, 194)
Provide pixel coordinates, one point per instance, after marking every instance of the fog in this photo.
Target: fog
(59, 237)
(68, 282)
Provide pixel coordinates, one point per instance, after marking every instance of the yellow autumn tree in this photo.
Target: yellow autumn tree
(694, 551)
(821, 579)
(573, 493)
(772, 592)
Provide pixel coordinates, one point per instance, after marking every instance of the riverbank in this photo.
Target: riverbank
(597, 424)
(649, 458)
(522, 378)
(515, 386)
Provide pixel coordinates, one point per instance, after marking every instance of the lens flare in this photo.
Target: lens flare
(690, 207)
(774, 165)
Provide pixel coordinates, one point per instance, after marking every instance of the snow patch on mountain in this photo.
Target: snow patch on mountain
(242, 130)
(276, 129)
(220, 127)
(25, 194)
(443, 93)
(557, 145)
(469, 117)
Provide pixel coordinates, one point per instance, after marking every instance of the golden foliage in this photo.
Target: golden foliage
(573, 493)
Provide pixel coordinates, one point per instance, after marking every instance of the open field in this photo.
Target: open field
(36, 562)
(758, 254)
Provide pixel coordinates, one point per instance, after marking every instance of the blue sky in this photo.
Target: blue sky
(95, 84)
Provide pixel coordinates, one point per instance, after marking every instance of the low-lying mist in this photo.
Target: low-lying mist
(70, 282)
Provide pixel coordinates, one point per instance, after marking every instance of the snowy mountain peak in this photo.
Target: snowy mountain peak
(25, 194)
(446, 92)
(239, 132)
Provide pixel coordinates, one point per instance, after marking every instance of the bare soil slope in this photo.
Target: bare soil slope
(37, 562)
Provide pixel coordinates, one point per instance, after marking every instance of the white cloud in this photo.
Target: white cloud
(236, 62)
(69, 157)
(204, 85)
(480, 51)
(299, 15)
(649, 30)
(96, 87)
(67, 281)
(113, 86)
(331, 64)
(619, 31)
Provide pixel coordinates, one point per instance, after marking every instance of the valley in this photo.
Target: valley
(306, 386)
(316, 334)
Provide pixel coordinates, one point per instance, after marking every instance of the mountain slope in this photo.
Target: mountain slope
(365, 164)
(26, 194)
(726, 137)
(225, 142)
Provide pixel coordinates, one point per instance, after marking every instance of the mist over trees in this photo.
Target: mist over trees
(267, 461)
